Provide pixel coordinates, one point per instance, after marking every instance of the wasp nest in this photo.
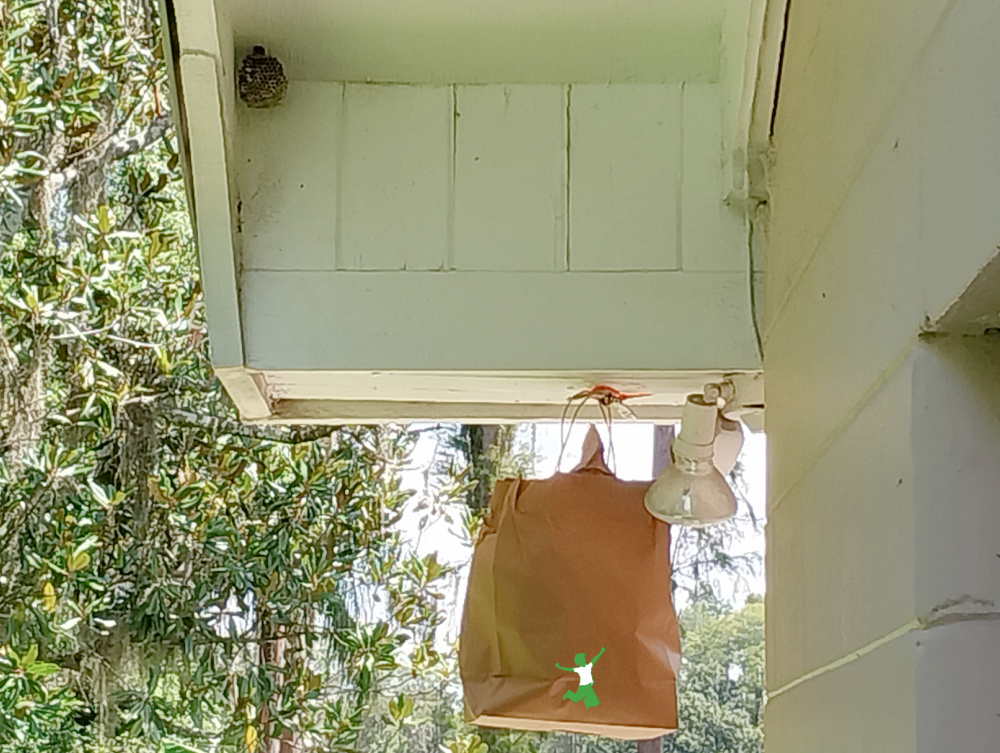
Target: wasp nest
(262, 81)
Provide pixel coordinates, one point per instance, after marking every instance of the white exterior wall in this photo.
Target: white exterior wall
(884, 479)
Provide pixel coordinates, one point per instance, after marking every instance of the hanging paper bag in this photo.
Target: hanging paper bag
(568, 622)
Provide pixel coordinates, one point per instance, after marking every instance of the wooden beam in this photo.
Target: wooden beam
(247, 390)
(535, 321)
(342, 412)
(212, 215)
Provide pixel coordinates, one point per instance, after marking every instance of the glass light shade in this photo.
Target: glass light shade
(691, 493)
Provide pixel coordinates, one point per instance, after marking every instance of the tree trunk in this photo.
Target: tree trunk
(479, 441)
(273, 650)
(663, 437)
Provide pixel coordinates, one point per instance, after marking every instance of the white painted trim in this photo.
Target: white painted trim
(203, 109)
(197, 27)
(340, 397)
(743, 31)
(381, 412)
(765, 93)
(200, 65)
(246, 390)
(663, 387)
(977, 309)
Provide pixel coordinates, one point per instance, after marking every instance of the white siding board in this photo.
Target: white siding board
(714, 237)
(955, 438)
(625, 167)
(510, 178)
(287, 179)
(959, 137)
(845, 65)
(396, 179)
(853, 313)
(850, 516)
(496, 321)
(866, 706)
(958, 688)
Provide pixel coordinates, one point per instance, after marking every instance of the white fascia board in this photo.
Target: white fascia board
(742, 35)
(197, 27)
(199, 66)
(651, 409)
(348, 412)
(246, 390)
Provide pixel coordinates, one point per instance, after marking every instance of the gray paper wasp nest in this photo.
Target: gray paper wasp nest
(262, 81)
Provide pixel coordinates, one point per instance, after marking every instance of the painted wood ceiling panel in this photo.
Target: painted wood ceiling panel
(486, 41)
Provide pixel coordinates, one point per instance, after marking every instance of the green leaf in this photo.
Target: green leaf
(103, 218)
(178, 747)
(42, 669)
(78, 561)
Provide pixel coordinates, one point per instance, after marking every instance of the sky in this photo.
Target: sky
(633, 456)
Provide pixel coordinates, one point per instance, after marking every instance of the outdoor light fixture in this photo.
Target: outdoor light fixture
(692, 491)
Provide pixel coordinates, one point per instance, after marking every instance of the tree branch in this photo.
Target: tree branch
(219, 425)
(126, 146)
(117, 148)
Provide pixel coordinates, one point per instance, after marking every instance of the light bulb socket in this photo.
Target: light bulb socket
(699, 424)
(728, 444)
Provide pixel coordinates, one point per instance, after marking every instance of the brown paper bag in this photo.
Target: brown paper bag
(565, 566)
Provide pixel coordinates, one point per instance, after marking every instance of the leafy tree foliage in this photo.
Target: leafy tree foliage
(166, 572)
(721, 691)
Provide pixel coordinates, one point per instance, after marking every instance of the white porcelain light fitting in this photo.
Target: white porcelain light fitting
(692, 491)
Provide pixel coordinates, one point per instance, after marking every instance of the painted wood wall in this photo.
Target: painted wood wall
(542, 178)
(491, 228)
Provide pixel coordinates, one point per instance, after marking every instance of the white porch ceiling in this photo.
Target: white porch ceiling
(469, 210)
(486, 41)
